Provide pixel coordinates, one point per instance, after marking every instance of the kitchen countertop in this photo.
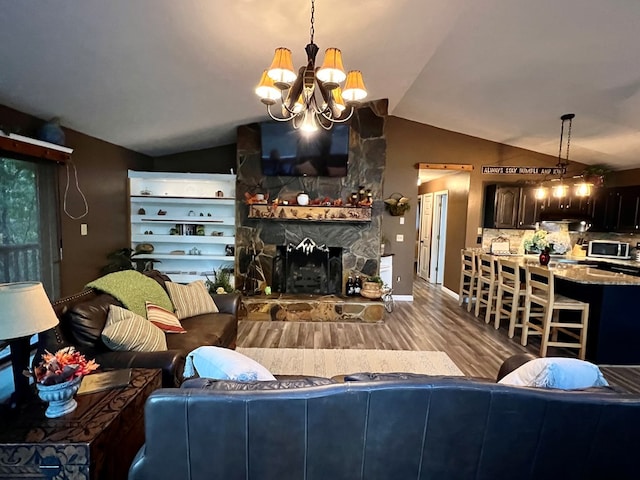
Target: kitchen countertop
(575, 272)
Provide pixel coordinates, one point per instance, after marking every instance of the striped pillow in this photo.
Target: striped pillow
(163, 319)
(126, 331)
(191, 300)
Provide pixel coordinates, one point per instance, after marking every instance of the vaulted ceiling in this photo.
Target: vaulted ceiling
(164, 76)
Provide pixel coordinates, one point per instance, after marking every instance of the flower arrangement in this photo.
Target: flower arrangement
(536, 242)
(63, 366)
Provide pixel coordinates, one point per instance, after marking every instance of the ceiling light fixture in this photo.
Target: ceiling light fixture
(561, 190)
(297, 93)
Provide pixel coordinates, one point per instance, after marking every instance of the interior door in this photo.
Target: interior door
(438, 237)
(424, 252)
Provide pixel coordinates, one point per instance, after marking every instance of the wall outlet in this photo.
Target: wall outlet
(83, 229)
(398, 278)
(401, 220)
(399, 238)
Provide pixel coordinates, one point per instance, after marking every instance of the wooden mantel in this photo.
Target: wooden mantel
(15, 145)
(310, 213)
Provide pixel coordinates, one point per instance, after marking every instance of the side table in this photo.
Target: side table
(97, 441)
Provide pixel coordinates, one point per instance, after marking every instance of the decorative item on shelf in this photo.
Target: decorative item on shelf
(219, 194)
(298, 94)
(190, 214)
(58, 378)
(362, 194)
(200, 230)
(251, 199)
(217, 234)
(545, 257)
(141, 211)
(229, 250)
(144, 248)
(397, 204)
(145, 192)
(52, 132)
(162, 212)
(353, 200)
(302, 199)
(194, 251)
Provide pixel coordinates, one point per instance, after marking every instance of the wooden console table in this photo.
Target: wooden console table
(96, 441)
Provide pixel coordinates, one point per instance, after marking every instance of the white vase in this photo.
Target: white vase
(303, 199)
(60, 397)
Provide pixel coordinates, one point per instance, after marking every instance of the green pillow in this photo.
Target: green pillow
(133, 289)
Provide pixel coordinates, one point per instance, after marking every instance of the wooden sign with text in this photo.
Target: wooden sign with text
(524, 170)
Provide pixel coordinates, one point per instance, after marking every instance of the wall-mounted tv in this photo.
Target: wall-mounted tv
(290, 152)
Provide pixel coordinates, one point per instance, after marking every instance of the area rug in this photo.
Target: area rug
(332, 362)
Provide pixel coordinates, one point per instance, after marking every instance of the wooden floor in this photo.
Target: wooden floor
(433, 321)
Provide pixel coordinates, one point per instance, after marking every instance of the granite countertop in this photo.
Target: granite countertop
(593, 276)
(575, 272)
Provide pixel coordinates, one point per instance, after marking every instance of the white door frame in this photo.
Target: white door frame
(438, 236)
(424, 234)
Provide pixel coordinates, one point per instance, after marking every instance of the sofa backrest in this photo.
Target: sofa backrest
(445, 428)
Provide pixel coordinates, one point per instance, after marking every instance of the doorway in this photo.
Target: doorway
(438, 237)
(424, 235)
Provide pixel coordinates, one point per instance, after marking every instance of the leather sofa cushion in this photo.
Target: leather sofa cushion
(214, 329)
(87, 320)
(281, 384)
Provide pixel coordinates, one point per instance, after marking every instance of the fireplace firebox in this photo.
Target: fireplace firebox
(308, 268)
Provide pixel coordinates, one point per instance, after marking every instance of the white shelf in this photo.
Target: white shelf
(182, 219)
(154, 200)
(224, 240)
(181, 195)
(191, 258)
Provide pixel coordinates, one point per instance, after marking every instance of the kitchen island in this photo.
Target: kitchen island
(613, 335)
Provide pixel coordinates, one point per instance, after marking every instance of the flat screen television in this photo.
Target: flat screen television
(290, 152)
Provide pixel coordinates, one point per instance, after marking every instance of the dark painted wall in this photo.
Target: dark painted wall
(209, 160)
(102, 176)
(457, 187)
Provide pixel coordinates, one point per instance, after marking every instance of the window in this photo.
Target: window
(29, 238)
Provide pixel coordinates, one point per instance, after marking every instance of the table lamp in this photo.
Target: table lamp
(25, 310)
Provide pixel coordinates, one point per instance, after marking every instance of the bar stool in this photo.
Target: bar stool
(468, 277)
(511, 294)
(487, 286)
(540, 291)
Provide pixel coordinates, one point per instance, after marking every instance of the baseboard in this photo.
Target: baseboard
(450, 292)
(403, 298)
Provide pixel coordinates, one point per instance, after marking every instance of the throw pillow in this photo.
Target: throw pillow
(556, 372)
(164, 319)
(224, 364)
(127, 331)
(191, 300)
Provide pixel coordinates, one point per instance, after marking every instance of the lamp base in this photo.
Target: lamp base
(20, 353)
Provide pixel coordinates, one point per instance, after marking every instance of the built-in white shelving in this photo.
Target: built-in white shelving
(189, 218)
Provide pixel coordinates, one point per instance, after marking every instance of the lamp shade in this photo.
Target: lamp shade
(281, 69)
(332, 72)
(354, 89)
(25, 310)
(266, 90)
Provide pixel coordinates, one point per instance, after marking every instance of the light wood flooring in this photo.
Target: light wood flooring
(433, 321)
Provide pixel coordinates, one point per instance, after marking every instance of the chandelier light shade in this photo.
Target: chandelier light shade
(312, 97)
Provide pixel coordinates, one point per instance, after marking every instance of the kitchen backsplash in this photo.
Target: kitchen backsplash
(515, 237)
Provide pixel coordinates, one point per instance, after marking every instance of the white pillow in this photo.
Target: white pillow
(556, 372)
(224, 364)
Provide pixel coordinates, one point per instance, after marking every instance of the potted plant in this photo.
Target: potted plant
(595, 174)
(221, 282)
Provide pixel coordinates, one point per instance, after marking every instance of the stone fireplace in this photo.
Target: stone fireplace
(308, 268)
(270, 251)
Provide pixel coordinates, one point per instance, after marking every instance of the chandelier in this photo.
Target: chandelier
(298, 94)
(560, 189)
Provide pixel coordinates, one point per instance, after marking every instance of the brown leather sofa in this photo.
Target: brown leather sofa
(83, 316)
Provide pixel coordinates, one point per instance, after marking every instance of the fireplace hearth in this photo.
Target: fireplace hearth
(308, 268)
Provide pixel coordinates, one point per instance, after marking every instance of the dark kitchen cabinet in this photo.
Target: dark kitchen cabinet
(510, 206)
(629, 201)
(616, 209)
(501, 206)
(529, 208)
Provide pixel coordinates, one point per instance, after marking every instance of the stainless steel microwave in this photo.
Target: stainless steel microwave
(608, 249)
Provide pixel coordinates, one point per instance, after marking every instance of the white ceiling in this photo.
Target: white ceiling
(164, 76)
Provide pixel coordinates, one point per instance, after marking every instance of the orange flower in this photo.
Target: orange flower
(62, 366)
